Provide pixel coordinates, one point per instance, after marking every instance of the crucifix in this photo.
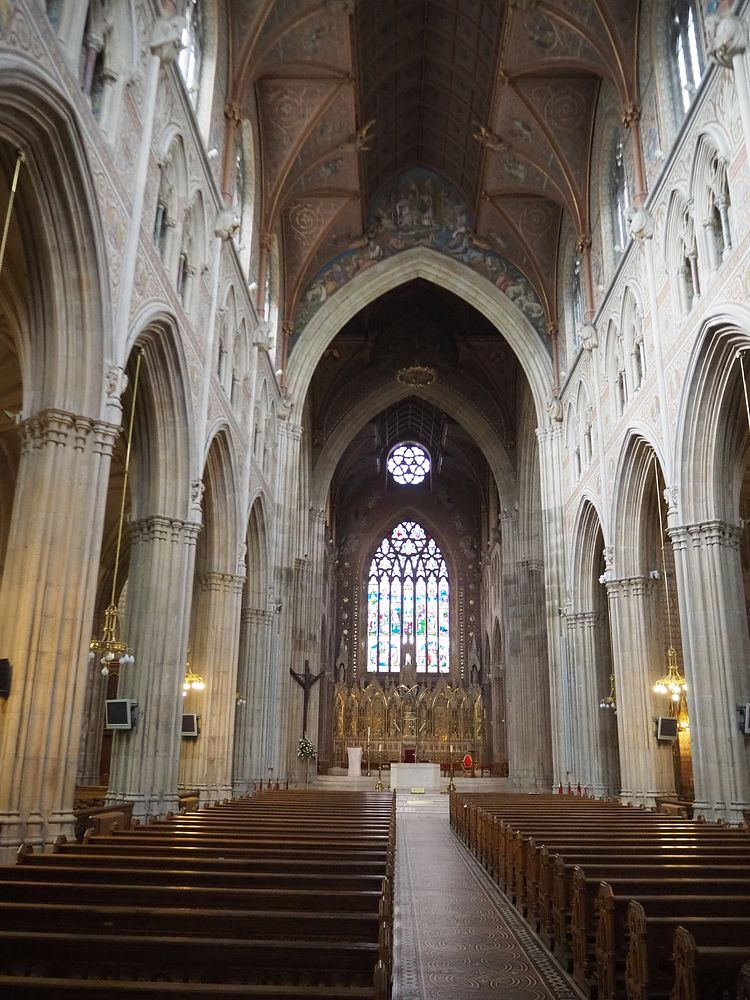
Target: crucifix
(305, 681)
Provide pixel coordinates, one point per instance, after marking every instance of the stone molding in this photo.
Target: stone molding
(256, 616)
(59, 427)
(704, 533)
(629, 586)
(584, 619)
(224, 583)
(158, 528)
(534, 565)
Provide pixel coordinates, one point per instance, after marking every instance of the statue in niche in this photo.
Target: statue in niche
(408, 666)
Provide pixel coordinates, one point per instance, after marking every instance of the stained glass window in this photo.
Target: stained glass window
(686, 52)
(408, 464)
(408, 602)
(189, 59)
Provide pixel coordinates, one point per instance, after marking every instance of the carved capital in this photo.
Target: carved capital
(115, 382)
(588, 337)
(227, 224)
(640, 224)
(166, 39)
(197, 489)
(158, 528)
(583, 244)
(555, 408)
(221, 583)
(233, 114)
(726, 38)
(631, 114)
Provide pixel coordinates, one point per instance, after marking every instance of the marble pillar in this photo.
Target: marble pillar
(646, 766)
(145, 760)
(46, 607)
(206, 762)
(716, 650)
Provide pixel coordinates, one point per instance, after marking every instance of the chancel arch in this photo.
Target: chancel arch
(440, 270)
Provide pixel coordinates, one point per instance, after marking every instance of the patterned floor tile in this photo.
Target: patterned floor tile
(456, 936)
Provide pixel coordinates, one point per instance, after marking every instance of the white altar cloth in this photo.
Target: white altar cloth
(407, 776)
(355, 761)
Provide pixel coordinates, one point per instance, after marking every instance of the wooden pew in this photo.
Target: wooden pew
(708, 953)
(42, 988)
(708, 972)
(593, 900)
(273, 902)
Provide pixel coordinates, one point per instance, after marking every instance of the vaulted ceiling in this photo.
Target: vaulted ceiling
(497, 97)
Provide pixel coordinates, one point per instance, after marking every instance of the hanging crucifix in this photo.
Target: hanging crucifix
(305, 681)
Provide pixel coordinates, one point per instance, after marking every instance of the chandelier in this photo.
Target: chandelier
(673, 682)
(416, 376)
(192, 682)
(112, 649)
(610, 702)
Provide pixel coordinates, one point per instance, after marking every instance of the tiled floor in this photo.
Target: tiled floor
(456, 936)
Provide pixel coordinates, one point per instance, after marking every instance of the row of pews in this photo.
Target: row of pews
(637, 904)
(285, 895)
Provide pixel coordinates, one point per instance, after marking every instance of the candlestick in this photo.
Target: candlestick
(368, 732)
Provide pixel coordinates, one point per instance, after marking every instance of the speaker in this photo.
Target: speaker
(5, 671)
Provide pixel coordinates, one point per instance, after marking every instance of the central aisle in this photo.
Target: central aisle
(456, 936)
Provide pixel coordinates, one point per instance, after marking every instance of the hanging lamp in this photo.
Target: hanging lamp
(672, 683)
(112, 649)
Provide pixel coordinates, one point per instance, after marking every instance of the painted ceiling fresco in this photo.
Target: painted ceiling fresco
(492, 102)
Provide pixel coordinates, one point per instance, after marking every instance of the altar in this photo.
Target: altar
(355, 761)
(406, 776)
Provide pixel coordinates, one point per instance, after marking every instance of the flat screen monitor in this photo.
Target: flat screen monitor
(190, 725)
(666, 728)
(118, 713)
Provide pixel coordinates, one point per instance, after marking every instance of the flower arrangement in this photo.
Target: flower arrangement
(306, 750)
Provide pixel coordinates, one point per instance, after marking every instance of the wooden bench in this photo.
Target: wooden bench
(708, 971)
(269, 900)
(708, 953)
(42, 988)
(532, 849)
(598, 909)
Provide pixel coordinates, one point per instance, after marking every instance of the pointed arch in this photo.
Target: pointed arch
(421, 262)
(633, 483)
(712, 428)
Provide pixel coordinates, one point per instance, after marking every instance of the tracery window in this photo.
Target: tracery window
(577, 301)
(408, 602)
(408, 464)
(686, 52)
(620, 201)
(190, 57)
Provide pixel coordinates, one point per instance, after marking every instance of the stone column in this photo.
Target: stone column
(716, 651)
(206, 762)
(89, 753)
(46, 605)
(646, 766)
(527, 710)
(552, 599)
(251, 749)
(285, 650)
(145, 760)
(594, 759)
